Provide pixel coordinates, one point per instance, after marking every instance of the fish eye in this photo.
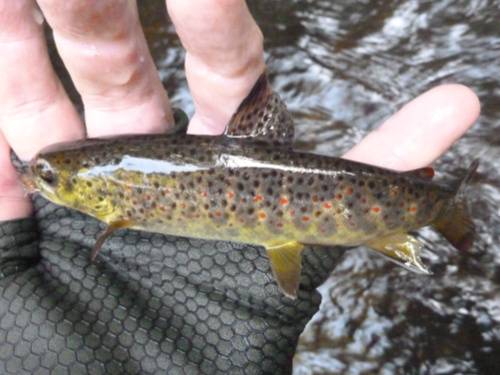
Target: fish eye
(45, 171)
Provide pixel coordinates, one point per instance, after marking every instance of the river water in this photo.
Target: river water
(343, 67)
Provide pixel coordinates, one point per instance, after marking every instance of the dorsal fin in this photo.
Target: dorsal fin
(426, 173)
(262, 115)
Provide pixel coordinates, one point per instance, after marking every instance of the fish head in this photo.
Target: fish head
(45, 178)
(62, 177)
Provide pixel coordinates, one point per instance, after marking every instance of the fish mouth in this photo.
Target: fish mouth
(29, 183)
(33, 184)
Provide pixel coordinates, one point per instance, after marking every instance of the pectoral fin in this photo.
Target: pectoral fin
(286, 264)
(109, 230)
(403, 249)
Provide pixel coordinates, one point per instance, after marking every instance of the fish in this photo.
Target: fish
(249, 185)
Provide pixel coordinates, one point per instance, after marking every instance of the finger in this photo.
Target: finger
(224, 57)
(14, 202)
(106, 54)
(421, 131)
(34, 109)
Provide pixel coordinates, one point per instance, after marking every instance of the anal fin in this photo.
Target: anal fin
(286, 264)
(109, 230)
(403, 249)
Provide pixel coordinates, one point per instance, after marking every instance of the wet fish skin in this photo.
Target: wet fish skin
(250, 186)
(239, 190)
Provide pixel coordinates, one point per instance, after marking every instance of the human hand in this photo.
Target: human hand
(105, 52)
(168, 301)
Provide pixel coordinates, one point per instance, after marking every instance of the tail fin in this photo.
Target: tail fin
(456, 224)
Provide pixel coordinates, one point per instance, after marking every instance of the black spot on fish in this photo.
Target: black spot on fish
(69, 186)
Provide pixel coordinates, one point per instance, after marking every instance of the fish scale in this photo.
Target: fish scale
(248, 187)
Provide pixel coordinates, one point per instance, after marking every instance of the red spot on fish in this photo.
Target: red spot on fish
(128, 187)
(352, 223)
(393, 192)
(338, 225)
(134, 202)
(390, 223)
(305, 218)
(423, 201)
(348, 191)
(218, 214)
(179, 220)
(322, 230)
(243, 200)
(413, 208)
(376, 209)
(279, 225)
(338, 196)
(204, 194)
(362, 201)
(284, 200)
(161, 208)
(197, 216)
(257, 198)
(152, 215)
(230, 224)
(182, 206)
(262, 215)
(166, 191)
(401, 204)
(148, 197)
(315, 198)
(439, 206)
(240, 220)
(327, 205)
(230, 195)
(292, 213)
(432, 196)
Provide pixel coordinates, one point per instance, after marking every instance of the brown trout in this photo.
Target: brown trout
(250, 186)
